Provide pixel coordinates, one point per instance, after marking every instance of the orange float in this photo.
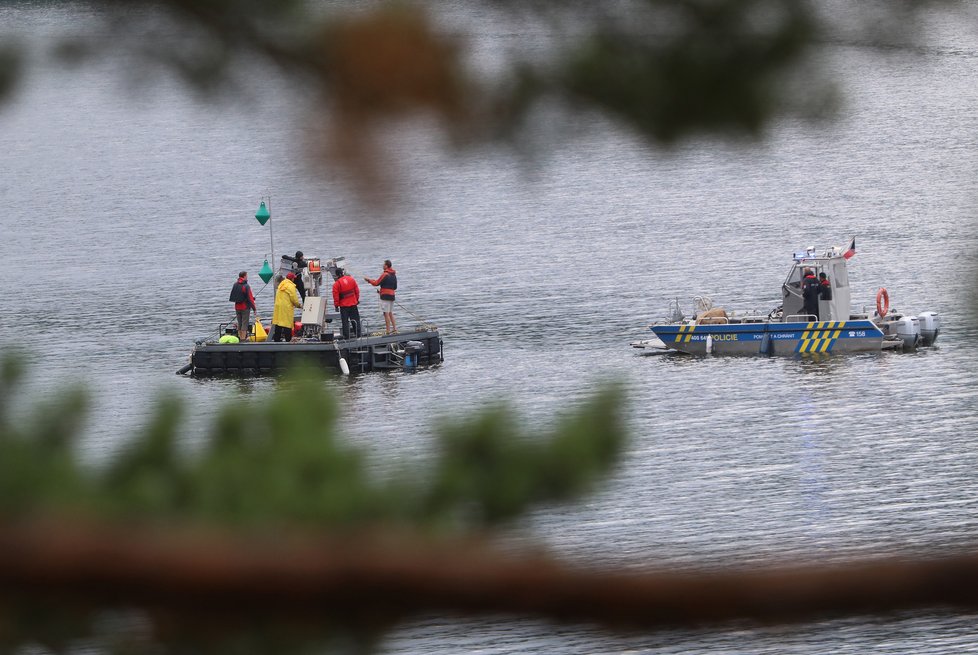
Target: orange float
(882, 302)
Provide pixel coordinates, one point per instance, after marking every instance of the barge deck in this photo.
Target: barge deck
(404, 350)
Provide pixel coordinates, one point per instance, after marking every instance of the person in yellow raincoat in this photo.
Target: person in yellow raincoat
(286, 300)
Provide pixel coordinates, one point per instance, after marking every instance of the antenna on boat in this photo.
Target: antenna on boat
(264, 215)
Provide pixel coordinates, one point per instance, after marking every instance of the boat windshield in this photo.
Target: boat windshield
(797, 271)
(794, 277)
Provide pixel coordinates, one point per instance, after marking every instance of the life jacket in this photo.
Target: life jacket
(825, 290)
(346, 293)
(388, 284)
(809, 287)
(239, 292)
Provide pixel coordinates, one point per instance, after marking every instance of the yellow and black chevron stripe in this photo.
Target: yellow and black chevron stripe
(685, 333)
(818, 337)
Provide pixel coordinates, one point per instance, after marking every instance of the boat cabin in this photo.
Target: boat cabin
(834, 265)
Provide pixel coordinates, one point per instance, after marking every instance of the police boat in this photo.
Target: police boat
(315, 340)
(791, 329)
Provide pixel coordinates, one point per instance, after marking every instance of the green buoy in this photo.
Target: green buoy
(266, 271)
(263, 214)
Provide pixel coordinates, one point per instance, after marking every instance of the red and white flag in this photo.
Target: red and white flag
(850, 250)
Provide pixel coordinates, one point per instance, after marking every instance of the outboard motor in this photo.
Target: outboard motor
(908, 329)
(930, 327)
(411, 350)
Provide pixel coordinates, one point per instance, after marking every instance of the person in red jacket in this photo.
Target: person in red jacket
(244, 303)
(388, 285)
(346, 297)
(809, 293)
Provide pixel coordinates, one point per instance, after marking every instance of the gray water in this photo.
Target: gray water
(128, 210)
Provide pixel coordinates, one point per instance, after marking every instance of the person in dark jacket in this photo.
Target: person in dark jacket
(388, 285)
(824, 287)
(298, 264)
(244, 303)
(346, 297)
(809, 293)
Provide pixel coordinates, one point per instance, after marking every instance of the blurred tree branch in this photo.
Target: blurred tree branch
(142, 527)
(371, 579)
(668, 69)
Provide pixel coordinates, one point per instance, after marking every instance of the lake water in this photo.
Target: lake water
(128, 212)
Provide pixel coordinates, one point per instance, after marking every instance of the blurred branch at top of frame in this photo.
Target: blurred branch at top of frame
(665, 69)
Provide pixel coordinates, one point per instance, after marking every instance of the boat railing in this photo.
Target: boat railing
(796, 318)
(702, 304)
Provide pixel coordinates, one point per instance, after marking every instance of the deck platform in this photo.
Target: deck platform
(404, 350)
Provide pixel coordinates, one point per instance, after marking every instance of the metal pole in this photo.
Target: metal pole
(271, 236)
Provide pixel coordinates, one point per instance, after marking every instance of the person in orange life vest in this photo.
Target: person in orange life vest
(244, 303)
(388, 285)
(286, 300)
(809, 292)
(346, 297)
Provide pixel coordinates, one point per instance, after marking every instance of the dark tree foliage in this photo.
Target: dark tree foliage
(668, 69)
(267, 469)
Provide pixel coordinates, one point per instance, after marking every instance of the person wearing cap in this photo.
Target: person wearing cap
(299, 263)
(388, 285)
(346, 297)
(286, 300)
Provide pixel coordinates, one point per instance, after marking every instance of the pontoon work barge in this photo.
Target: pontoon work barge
(315, 341)
(405, 350)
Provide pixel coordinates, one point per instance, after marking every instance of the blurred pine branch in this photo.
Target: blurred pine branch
(666, 69)
(207, 532)
(282, 462)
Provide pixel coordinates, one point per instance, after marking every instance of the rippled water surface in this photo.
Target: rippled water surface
(127, 213)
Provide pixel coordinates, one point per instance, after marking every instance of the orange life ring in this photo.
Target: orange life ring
(882, 301)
